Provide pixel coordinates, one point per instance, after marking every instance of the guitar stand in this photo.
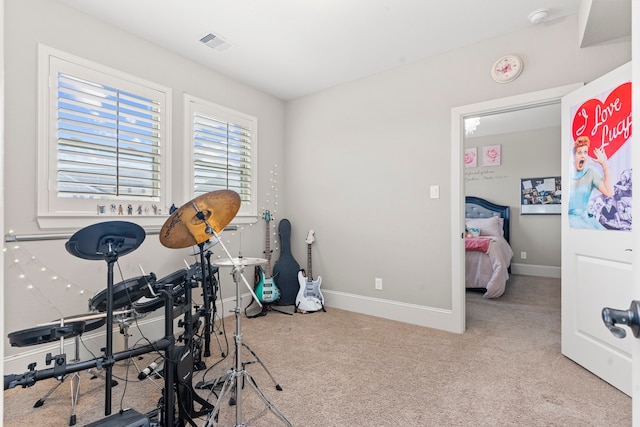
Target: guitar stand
(270, 308)
(238, 371)
(266, 308)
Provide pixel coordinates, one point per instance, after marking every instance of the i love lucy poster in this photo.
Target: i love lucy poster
(600, 185)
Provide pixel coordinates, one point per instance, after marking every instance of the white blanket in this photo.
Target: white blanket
(489, 270)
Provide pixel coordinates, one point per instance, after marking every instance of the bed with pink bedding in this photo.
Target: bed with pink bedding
(488, 253)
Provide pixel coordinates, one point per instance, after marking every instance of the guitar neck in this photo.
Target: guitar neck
(309, 274)
(267, 251)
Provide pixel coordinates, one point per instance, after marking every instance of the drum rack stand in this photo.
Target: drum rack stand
(75, 380)
(208, 308)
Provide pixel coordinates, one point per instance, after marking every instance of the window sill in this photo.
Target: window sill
(151, 224)
(77, 222)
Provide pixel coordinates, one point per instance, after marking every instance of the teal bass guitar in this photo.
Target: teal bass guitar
(266, 290)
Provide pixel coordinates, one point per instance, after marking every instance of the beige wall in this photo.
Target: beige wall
(364, 155)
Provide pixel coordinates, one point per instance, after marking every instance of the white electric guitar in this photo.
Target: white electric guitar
(309, 296)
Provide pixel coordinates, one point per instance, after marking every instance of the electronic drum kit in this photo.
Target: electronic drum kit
(197, 223)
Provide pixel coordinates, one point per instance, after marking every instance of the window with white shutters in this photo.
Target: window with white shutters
(104, 141)
(108, 142)
(223, 155)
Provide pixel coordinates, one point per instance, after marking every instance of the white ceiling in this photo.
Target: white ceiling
(291, 48)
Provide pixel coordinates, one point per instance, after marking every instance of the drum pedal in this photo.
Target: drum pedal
(213, 385)
(126, 418)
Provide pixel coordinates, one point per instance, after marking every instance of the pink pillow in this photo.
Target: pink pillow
(488, 226)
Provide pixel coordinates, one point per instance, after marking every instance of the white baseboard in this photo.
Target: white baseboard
(403, 312)
(536, 270)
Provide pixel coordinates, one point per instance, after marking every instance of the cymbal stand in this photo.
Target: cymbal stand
(212, 384)
(256, 359)
(238, 371)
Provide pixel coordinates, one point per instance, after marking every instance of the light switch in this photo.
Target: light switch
(435, 191)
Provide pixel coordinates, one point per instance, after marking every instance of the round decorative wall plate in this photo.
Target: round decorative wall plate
(507, 68)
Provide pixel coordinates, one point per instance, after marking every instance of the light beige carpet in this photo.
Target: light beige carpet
(344, 369)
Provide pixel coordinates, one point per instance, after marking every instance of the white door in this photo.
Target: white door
(596, 240)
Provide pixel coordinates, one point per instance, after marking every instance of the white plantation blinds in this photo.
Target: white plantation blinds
(222, 156)
(108, 141)
(224, 143)
(104, 139)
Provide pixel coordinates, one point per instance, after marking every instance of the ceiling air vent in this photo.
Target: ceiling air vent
(215, 42)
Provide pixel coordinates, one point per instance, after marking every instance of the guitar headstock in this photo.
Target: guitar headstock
(267, 216)
(310, 237)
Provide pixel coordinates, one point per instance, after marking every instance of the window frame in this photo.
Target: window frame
(248, 212)
(55, 212)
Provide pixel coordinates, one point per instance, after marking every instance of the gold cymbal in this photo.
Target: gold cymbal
(183, 228)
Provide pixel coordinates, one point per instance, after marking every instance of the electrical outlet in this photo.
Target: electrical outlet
(523, 255)
(378, 284)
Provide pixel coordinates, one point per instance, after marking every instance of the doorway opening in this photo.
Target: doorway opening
(510, 105)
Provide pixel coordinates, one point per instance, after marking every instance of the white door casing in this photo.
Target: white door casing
(596, 264)
(458, 115)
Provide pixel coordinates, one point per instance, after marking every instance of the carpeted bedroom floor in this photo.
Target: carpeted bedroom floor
(340, 368)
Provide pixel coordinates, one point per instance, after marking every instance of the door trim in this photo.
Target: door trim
(458, 115)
